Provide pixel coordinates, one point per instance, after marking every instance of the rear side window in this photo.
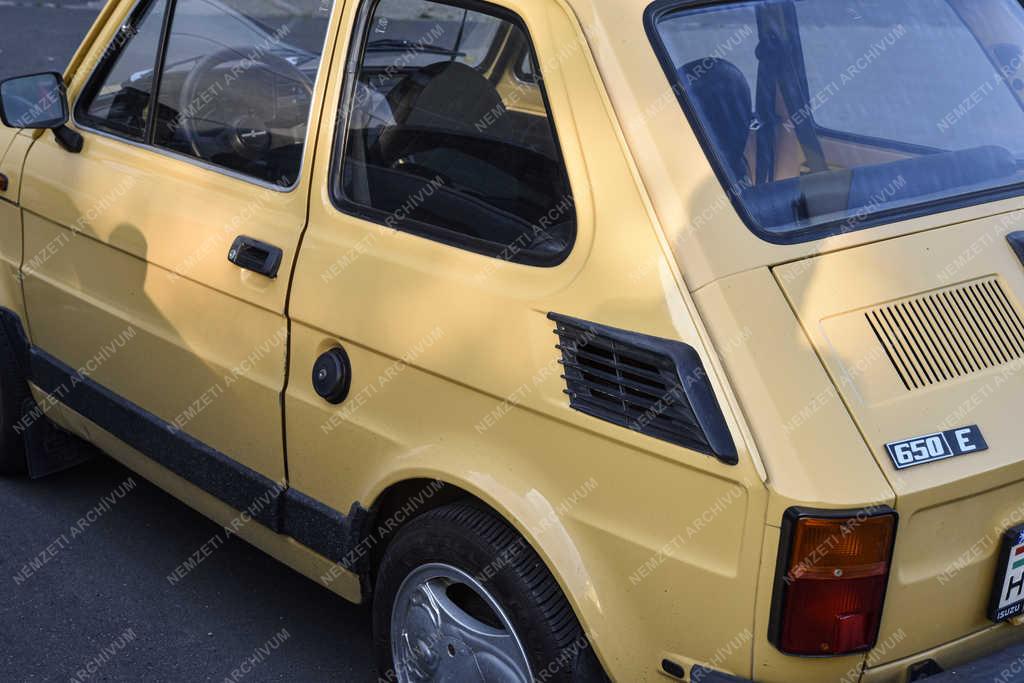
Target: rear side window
(436, 140)
(829, 116)
(227, 82)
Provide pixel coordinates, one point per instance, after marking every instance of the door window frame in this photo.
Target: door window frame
(351, 69)
(112, 50)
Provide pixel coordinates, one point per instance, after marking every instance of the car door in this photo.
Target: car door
(157, 260)
(444, 200)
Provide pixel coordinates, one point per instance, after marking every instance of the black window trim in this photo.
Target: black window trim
(858, 220)
(127, 31)
(437, 233)
(101, 68)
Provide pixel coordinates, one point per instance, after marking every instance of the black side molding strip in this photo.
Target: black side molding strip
(287, 511)
(235, 484)
(327, 531)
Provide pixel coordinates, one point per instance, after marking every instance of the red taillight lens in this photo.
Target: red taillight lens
(833, 570)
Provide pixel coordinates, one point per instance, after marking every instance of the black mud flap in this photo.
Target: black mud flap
(48, 448)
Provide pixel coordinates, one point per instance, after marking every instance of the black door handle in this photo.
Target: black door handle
(256, 256)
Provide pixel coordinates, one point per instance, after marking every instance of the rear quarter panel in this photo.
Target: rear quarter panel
(812, 450)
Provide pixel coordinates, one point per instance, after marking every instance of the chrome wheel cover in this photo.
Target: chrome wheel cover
(434, 639)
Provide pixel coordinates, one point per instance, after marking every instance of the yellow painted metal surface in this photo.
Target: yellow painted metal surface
(125, 241)
(14, 147)
(10, 258)
(952, 512)
(12, 160)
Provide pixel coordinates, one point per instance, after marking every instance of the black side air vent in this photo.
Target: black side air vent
(653, 386)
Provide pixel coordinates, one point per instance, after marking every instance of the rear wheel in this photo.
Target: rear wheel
(461, 597)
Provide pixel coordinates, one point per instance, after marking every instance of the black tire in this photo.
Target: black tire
(480, 543)
(13, 393)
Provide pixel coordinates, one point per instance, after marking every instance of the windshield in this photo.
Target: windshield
(826, 116)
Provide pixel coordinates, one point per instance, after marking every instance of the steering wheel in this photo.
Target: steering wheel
(243, 119)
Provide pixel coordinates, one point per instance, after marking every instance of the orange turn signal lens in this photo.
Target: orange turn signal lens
(856, 546)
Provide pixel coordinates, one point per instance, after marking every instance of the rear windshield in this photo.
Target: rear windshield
(826, 116)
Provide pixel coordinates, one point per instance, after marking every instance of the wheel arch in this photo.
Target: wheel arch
(405, 499)
(387, 514)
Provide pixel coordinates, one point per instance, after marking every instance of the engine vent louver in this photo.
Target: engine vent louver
(653, 386)
(950, 333)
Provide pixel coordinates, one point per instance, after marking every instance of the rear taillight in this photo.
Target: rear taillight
(830, 585)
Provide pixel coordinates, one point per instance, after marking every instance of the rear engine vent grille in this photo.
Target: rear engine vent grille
(949, 333)
(653, 386)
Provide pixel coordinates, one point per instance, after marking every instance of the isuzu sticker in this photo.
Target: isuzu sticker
(937, 446)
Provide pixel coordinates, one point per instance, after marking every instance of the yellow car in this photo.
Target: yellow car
(587, 339)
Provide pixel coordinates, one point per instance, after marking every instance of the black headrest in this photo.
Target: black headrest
(452, 96)
(720, 93)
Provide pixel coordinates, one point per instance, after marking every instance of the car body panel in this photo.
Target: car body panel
(124, 239)
(15, 146)
(812, 450)
(810, 443)
(947, 507)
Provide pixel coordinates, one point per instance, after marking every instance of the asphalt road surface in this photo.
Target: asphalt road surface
(38, 36)
(84, 555)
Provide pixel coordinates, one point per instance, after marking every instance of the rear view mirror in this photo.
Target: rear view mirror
(38, 101)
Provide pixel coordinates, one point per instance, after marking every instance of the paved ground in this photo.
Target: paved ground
(97, 605)
(37, 36)
(98, 592)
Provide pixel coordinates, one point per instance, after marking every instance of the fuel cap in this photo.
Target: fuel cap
(332, 375)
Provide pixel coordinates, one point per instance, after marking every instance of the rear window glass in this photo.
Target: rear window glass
(827, 116)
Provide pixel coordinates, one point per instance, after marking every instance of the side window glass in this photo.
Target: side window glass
(119, 102)
(433, 146)
(235, 86)
(237, 83)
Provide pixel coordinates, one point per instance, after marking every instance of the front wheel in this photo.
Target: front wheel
(461, 597)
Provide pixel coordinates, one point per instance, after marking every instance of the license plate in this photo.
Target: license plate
(1008, 590)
